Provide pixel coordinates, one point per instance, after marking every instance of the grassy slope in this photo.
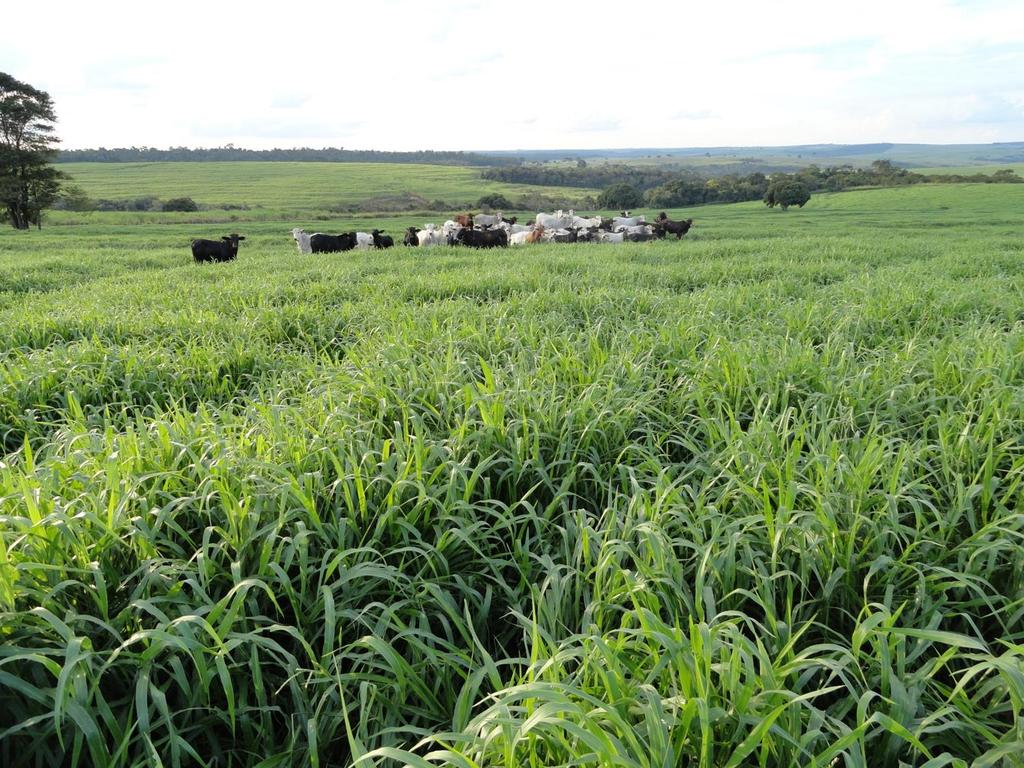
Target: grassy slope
(752, 496)
(289, 186)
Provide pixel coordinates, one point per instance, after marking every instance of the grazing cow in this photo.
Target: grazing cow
(564, 236)
(412, 237)
(640, 237)
(639, 229)
(301, 237)
(581, 223)
(626, 221)
(483, 238)
(588, 235)
(321, 243)
(224, 249)
(464, 220)
(677, 228)
(612, 237)
(485, 220)
(535, 236)
(519, 238)
(364, 240)
(381, 241)
(558, 220)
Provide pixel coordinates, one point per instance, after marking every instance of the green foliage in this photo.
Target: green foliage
(180, 204)
(495, 201)
(28, 183)
(785, 192)
(751, 498)
(231, 153)
(620, 196)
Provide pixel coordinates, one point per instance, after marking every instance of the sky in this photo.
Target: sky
(459, 74)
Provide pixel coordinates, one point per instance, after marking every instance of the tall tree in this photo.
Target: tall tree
(28, 181)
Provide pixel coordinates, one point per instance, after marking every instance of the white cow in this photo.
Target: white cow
(364, 241)
(612, 237)
(431, 235)
(519, 238)
(626, 221)
(516, 228)
(578, 222)
(558, 220)
(639, 229)
(450, 229)
(486, 220)
(301, 237)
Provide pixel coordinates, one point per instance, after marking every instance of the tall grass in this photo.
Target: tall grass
(753, 498)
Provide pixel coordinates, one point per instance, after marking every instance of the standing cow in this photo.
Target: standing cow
(225, 249)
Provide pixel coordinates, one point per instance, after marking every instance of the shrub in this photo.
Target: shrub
(786, 192)
(620, 196)
(181, 204)
(495, 201)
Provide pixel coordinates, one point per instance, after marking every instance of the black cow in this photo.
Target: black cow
(488, 238)
(411, 238)
(568, 237)
(321, 243)
(678, 228)
(380, 240)
(641, 237)
(224, 249)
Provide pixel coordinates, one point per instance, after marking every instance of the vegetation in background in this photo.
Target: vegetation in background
(285, 189)
(620, 196)
(749, 498)
(231, 153)
(28, 181)
(673, 188)
(785, 192)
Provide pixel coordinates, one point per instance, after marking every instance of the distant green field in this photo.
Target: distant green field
(970, 169)
(293, 186)
(750, 498)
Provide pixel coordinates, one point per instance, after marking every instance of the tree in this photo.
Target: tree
(620, 196)
(28, 183)
(186, 204)
(495, 201)
(786, 191)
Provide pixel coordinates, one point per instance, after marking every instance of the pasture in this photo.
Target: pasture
(749, 498)
(293, 187)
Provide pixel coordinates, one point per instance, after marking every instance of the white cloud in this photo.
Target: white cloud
(400, 74)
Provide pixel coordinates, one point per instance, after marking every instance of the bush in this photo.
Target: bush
(620, 196)
(186, 204)
(73, 198)
(786, 192)
(495, 201)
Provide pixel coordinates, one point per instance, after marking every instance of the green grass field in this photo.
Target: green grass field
(293, 187)
(749, 498)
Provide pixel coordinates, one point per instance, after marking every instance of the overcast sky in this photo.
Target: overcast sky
(403, 75)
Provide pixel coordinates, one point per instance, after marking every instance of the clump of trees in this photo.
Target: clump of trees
(28, 181)
(620, 196)
(785, 192)
(662, 187)
(186, 204)
(495, 201)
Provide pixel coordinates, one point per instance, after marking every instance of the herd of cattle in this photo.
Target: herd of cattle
(474, 231)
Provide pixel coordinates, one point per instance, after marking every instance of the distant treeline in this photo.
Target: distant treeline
(582, 175)
(305, 154)
(673, 189)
